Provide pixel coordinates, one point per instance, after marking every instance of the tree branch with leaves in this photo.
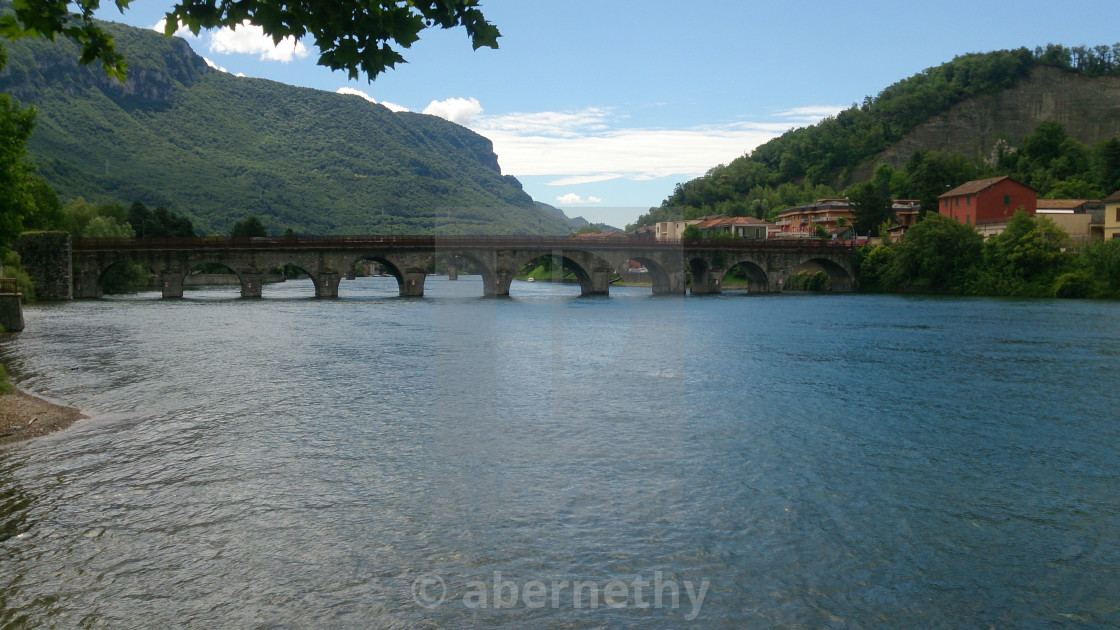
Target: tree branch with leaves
(359, 37)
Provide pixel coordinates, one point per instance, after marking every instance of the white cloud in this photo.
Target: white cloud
(811, 114)
(251, 40)
(585, 179)
(591, 145)
(356, 92)
(458, 110)
(573, 198)
(182, 31)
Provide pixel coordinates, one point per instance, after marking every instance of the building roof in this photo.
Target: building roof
(1061, 204)
(596, 235)
(976, 186)
(730, 221)
(1113, 198)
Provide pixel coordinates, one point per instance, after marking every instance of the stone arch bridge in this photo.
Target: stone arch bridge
(674, 267)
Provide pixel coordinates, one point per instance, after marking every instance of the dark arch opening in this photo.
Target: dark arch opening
(293, 279)
(126, 277)
(371, 276)
(654, 274)
(211, 280)
(555, 270)
(819, 274)
(745, 276)
(458, 274)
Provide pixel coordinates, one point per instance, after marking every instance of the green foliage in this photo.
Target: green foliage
(1025, 258)
(248, 227)
(107, 227)
(126, 278)
(16, 200)
(874, 268)
(352, 36)
(809, 281)
(5, 386)
(13, 269)
(1075, 284)
(871, 201)
(691, 233)
(938, 255)
(1102, 260)
(160, 223)
(1029, 259)
(215, 148)
(83, 219)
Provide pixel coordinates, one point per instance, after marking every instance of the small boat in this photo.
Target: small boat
(530, 280)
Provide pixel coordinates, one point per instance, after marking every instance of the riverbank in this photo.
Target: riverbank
(23, 416)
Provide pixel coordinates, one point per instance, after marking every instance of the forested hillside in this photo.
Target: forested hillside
(217, 148)
(966, 118)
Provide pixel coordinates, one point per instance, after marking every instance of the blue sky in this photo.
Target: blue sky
(601, 107)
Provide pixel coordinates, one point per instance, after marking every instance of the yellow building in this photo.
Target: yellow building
(1112, 216)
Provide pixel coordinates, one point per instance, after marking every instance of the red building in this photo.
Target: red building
(985, 201)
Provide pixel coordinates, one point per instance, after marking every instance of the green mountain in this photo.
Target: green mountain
(217, 148)
(976, 110)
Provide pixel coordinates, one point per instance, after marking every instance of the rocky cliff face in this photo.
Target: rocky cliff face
(1089, 107)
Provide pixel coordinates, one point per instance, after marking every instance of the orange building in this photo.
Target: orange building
(988, 201)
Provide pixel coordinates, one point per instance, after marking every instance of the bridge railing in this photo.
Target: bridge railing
(444, 242)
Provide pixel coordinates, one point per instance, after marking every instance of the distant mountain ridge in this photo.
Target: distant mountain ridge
(217, 148)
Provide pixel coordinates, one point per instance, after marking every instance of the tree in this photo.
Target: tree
(16, 201)
(871, 201)
(352, 35)
(248, 227)
(937, 254)
(691, 232)
(160, 223)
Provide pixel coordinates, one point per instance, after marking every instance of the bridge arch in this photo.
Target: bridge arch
(704, 278)
(840, 276)
(124, 276)
(592, 272)
(657, 275)
(757, 281)
(410, 270)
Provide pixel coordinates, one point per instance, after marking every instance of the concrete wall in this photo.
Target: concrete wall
(46, 258)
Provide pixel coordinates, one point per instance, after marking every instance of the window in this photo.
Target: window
(1007, 200)
(968, 219)
(958, 200)
(1118, 215)
(968, 201)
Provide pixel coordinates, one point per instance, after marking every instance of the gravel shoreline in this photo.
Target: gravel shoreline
(23, 416)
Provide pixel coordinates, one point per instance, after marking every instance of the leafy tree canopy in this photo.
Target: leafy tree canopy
(248, 227)
(352, 35)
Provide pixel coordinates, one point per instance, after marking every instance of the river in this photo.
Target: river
(549, 460)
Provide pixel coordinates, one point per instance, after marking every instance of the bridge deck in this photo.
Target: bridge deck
(446, 242)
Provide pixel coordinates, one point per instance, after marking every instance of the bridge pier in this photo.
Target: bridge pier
(171, 284)
(500, 286)
(452, 272)
(412, 284)
(327, 285)
(600, 283)
(87, 285)
(251, 285)
(706, 283)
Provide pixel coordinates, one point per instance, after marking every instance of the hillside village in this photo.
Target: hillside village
(985, 204)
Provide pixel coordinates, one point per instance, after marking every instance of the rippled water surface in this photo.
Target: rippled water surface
(454, 461)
